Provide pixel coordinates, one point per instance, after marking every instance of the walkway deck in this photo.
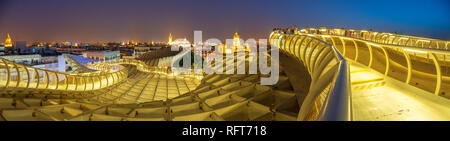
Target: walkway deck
(385, 99)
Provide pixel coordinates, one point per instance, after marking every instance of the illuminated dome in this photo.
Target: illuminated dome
(8, 42)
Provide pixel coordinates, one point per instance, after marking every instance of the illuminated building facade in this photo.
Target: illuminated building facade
(236, 45)
(102, 55)
(24, 59)
(181, 42)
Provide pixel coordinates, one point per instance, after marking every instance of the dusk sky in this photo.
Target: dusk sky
(147, 20)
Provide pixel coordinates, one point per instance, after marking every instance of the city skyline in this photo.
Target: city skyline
(116, 21)
(230, 60)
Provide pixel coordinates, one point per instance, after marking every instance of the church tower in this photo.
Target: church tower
(170, 39)
(8, 42)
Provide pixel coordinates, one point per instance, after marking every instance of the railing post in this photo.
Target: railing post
(18, 75)
(332, 40)
(370, 55)
(85, 82)
(343, 46)
(76, 82)
(100, 80)
(57, 81)
(408, 61)
(387, 60)
(67, 82)
(356, 50)
(438, 74)
(28, 76)
(112, 77)
(47, 79)
(107, 80)
(38, 78)
(8, 71)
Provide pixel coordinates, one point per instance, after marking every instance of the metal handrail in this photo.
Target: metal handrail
(382, 38)
(329, 97)
(436, 55)
(20, 76)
